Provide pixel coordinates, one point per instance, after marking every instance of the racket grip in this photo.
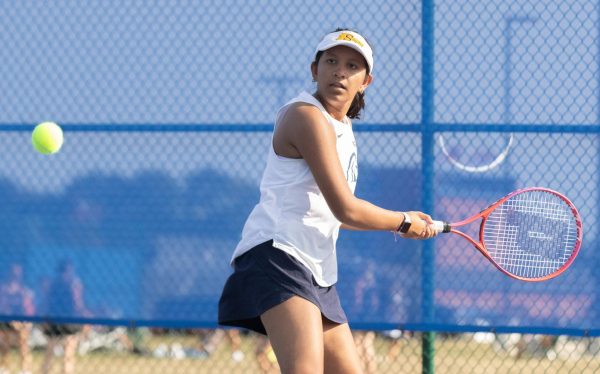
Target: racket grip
(441, 226)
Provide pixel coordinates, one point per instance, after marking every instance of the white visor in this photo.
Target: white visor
(349, 39)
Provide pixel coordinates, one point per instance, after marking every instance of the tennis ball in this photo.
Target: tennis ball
(47, 138)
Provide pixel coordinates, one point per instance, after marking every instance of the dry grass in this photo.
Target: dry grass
(460, 354)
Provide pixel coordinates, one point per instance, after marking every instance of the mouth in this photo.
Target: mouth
(337, 85)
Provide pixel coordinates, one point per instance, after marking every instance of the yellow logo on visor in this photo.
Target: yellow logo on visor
(350, 38)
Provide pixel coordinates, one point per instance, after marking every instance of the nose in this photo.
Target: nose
(340, 72)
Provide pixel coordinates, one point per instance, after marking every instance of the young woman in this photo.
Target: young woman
(285, 266)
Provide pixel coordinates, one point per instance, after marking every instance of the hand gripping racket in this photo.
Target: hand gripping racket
(533, 234)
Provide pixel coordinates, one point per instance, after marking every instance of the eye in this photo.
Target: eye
(330, 61)
(353, 66)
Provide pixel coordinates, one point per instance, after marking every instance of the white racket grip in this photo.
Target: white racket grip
(441, 226)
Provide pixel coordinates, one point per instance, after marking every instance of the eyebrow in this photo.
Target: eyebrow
(350, 59)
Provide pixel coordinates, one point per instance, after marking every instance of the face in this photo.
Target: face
(341, 73)
(17, 272)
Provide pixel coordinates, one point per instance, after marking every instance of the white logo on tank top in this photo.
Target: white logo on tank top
(352, 170)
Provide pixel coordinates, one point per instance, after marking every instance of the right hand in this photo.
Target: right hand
(421, 227)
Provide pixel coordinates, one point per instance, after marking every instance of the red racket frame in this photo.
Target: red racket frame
(484, 214)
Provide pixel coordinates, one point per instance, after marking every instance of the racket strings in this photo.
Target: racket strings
(532, 234)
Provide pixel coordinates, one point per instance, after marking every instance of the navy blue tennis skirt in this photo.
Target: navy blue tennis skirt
(265, 277)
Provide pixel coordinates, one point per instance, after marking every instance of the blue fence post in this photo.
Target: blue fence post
(427, 136)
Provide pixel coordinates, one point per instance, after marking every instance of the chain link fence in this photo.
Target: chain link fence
(167, 109)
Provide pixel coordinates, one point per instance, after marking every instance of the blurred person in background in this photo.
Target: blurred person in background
(15, 300)
(366, 304)
(210, 341)
(64, 298)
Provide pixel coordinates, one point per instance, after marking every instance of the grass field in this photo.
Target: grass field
(458, 354)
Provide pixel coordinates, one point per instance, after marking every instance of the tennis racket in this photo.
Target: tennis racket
(533, 234)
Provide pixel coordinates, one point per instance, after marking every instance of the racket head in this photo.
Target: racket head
(533, 234)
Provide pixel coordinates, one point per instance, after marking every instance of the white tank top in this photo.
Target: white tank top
(292, 210)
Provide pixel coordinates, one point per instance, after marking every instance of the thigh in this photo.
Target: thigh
(295, 330)
(341, 355)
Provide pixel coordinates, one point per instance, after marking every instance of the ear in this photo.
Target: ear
(313, 70)
(368, 80)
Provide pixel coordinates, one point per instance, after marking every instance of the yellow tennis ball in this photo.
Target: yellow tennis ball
(47, 138)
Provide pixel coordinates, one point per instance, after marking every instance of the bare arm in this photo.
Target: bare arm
(304, 130)
(77, 291)
(348, 227)
(28, 305)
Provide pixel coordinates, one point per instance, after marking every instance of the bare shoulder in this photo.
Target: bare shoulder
(302, 114)
(301, 129)
(305, 121)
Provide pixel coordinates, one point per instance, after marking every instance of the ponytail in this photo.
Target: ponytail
(358, 104)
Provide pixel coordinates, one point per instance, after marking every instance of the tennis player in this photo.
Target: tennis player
(285, 266)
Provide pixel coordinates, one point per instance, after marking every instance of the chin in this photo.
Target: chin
(337, 94)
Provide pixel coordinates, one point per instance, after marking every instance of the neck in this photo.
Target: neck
(335, 109)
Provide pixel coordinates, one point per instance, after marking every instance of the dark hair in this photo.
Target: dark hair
(358, 103)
